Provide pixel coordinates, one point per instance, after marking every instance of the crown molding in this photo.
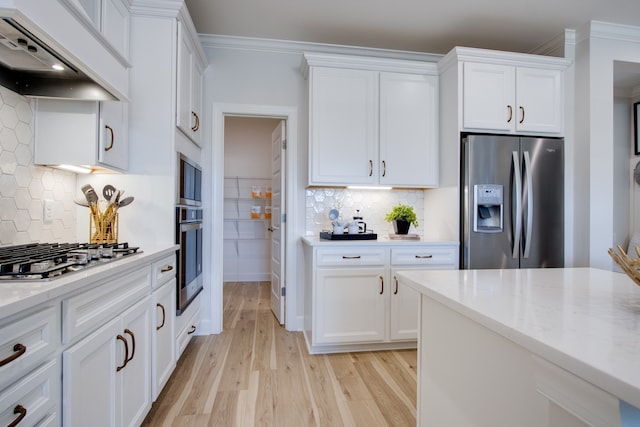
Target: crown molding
(608, 31)
(215, 41)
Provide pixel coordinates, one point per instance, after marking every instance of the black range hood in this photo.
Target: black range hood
(29, 67)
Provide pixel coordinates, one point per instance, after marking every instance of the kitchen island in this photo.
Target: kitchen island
(539, 347)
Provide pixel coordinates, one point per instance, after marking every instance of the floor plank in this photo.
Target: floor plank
(256, 373)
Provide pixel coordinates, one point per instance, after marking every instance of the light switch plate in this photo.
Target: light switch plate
(47, 211)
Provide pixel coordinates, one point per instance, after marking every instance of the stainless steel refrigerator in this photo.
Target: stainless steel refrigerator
(512, 202)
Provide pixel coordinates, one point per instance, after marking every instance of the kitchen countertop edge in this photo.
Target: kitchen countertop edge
(316, 241)
(18, 296)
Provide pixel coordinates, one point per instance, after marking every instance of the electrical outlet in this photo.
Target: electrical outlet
(47, 211)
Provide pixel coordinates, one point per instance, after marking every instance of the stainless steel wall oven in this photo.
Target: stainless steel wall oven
(188, 232)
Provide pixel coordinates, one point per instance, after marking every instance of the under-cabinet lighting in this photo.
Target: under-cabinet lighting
(76, 169)
(367, 187)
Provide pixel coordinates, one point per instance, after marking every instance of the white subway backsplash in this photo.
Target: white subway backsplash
(373, 205)
(24, 186)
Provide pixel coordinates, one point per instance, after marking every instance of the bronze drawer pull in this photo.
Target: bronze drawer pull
(19, 409)
(133, 340)
(522, 114)
(370, 167)
(126, 352)
(192, 330)
(351, 257)
(424, 256)
(510, 113)
(19, 349)
(395, 292)
(167, 268)
(381, 285)
(384, 168)
(164, 316)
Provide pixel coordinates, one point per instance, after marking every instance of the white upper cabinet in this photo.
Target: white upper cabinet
(512, 93)
(408, 130)
(372, 121)
(82, 133)
(189, 93)
(111, 19)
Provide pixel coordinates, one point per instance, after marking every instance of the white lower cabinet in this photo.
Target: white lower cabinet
(163, 342)
(353, 299)
(107, 375)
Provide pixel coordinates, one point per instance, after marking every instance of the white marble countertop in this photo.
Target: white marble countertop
(317, 241)
(20, 295)
(586, 321)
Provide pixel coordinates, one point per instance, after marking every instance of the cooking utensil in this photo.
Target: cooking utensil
(108, 191)
(90, 194)
(124, 202)
(81, 202)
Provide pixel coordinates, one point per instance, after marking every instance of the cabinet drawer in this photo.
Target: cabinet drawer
(351, 257)
(187, 324)
(26, 342)
(436, 256)
(163, 270)
(89, 310)
(34, 396)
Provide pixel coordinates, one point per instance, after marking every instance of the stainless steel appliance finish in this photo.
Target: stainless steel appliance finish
(44, 261)
(27, 67)
(189, 182)
(189, 255)
(512, 202)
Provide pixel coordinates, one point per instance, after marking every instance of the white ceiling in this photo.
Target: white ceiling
(412, 25)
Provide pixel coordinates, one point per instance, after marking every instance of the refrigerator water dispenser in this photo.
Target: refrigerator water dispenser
(488, 205)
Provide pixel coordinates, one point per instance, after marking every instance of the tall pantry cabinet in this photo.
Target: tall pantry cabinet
(163, 77)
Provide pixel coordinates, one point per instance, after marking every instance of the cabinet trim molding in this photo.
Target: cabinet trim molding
(366, 63)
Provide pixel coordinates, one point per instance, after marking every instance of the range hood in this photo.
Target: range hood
(29, 67)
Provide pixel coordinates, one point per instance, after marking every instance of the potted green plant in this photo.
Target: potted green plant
(402, 216)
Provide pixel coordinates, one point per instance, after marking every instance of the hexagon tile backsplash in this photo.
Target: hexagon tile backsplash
(24, 186)
(373, 205)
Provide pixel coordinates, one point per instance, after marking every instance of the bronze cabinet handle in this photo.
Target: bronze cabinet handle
(384, 168)
(126, 352)
(22, 411)
(164, 316)
(192, 330)
(351, 257)
(381, 285)
(424, 256)
(370, 167)
(19, 349)
(167, 268)
(133, 342)
(521, 114)
(110, 146)
(510, 113)
(196, 124)
(395, 292)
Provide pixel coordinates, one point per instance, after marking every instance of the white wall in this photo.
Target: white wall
(601, 201)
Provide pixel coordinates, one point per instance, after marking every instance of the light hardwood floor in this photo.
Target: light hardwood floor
(256, 373)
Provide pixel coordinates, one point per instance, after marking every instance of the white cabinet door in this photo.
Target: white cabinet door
(488, 97)
(189, 94)
(408, 130)
(539, 94)
(89, 379)
(350, 305)
(404, 311)
(163, 343)
(115, 25)
(113, 137)
(343, 126)
(135, 391)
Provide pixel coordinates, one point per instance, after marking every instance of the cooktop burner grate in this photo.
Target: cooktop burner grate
(35, 261)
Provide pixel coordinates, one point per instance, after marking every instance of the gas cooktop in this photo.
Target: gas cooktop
(42, 261)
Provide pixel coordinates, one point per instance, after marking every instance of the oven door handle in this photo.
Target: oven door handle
(189, 226)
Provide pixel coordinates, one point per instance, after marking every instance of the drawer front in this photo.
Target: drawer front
(190, 328)
(336, 257)
(33, 397)
(86, 312)
(26, 342)
(427, 256)
(163, 270)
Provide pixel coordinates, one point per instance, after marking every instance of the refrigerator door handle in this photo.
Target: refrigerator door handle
(518, 214)
(530, 199)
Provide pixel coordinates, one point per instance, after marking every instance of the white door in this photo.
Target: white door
(278, 141)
